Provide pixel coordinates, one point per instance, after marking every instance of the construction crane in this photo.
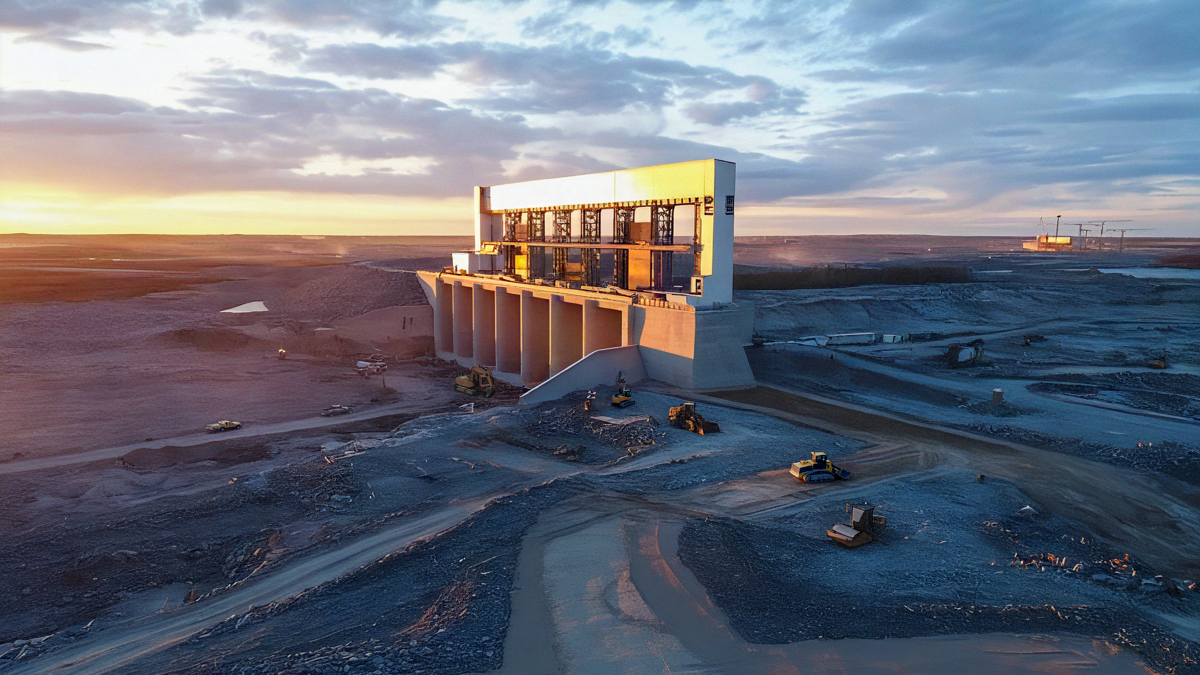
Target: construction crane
(1102, 223)
(1123, 230)
(1083, 237)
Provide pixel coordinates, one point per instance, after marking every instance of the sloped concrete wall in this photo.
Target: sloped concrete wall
(599, 367)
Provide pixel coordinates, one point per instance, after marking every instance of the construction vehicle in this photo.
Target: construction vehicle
(863, 523)
(1159, 363)
(624, 396)
(685, 417)
(477, 381)
(369, 368)
(223, 425)
(964, 355)
(818, 470)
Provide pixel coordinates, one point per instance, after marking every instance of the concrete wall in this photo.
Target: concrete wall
(531, 333)
(599, 367)
(719, 361)
(695, 350)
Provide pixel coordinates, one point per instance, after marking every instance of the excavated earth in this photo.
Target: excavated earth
(1033, 535)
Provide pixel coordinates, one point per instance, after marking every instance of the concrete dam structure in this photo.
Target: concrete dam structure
(588, 268)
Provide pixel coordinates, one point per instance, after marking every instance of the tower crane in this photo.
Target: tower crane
(1102, 224)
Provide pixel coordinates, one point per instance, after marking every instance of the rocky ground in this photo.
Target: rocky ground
(546, 539)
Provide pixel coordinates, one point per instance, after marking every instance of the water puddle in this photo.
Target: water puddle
(256, 306)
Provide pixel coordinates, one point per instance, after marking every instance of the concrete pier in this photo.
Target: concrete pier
(483, 303)
(566, 333)
(508, 331)
(535, 338)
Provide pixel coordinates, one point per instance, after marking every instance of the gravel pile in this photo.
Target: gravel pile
(348, 291)
(568, 431)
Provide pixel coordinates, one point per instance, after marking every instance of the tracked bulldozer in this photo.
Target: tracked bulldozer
(685, 417)
(863, 523)
(477, 381)
(818, 470)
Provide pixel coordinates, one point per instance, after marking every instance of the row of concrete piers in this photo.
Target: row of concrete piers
(527, 334)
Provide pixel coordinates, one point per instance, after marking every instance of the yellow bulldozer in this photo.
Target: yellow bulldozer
(685, 417)
(818, 470)
(477, 381)
(863, 523)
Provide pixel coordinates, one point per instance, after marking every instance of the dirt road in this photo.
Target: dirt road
(1141, 513)
(601, 589)
(601, 570)
(113, 648)
(202, 438)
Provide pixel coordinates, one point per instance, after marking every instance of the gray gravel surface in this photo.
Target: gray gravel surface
(944, 565)
(439, 606)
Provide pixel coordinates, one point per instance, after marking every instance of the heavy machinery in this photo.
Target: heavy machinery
(371, 367)
(1159, 363)
(685, 417)
(223, 425)
(964, 355)
(863, 523)
(624, 396)
(477, 381)
(818, 470)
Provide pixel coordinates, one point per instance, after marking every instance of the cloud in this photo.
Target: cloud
(372, 61)
(252, 131)
(62, 42)
(400, 18)
(557, 78)
(972, 102)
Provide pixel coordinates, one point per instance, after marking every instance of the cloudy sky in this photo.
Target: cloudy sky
(377, 116)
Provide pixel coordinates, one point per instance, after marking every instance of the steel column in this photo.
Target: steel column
(622, 227)
(590, 257)
(662, 221)
(537, 255)
(562, 234)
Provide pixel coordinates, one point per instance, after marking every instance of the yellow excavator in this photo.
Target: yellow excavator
(477, 381)
(624, 397)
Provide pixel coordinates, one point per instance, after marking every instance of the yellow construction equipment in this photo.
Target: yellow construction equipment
(685, 417)
(863, 522)
(818, 470)
(1159, 363)
(624, 397)
(477, 381)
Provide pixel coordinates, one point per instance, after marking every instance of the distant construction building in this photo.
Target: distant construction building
(586, 274)
(1047, 242)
